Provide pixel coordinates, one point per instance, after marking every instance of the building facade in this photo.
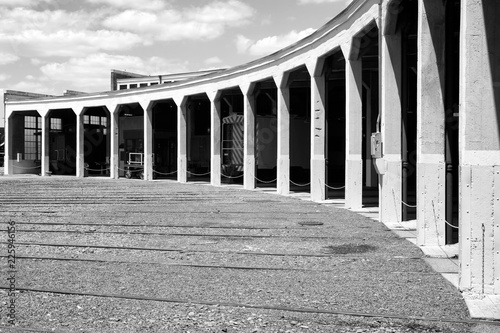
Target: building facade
(397, 100)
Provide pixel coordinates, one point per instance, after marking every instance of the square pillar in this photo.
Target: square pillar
(431, 167)
(354, 131)
(114, 133)
(283, 109)
(390, 69)
(45, 147)
(181, 139)
(80, 143)
(479, 141)
(249, 136)
(318, 129)
(147, 107)
(8, 145)
(215, 138)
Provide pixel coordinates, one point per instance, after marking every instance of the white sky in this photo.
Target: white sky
(48, 46)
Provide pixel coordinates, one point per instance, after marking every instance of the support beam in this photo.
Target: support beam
(215, 137)
(147, 107)
(354, 130)
(249, 136)
(318, 129)
(390, 71)
(114, 133)
(181, 138)
(431, 167)
(479, 132)
(80, 142)
(283, 117)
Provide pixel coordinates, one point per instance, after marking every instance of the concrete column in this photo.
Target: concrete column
(318, 129)
(390, 111)
(479, 212)
(431, 167)
(147, 106)
(215, 138)
(249, 136)
(181, 138)
(45, 152)
(113, 132)
(354, 130)
(80, 143)
(283, 109)
(8, 145)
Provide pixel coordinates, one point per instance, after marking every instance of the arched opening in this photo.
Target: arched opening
(62, 142)
(96, 150)
(165, 140)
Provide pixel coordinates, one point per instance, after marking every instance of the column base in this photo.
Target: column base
(318, 179)
(354, 184)
(390, 195)
(182, 169)
(431, 205)
(479, 230)
(215, 171)
(283, 176)
(249, 173)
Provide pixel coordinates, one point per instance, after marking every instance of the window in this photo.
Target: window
(122, 87)
(56, 124)
(143, 84)
(133, 86)
(32, 138)
(86, 119)
(95, 120)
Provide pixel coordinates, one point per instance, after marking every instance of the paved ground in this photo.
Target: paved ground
(101, 255)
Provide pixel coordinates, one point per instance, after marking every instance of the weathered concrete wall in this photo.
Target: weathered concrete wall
(431, 123)
(480, 147)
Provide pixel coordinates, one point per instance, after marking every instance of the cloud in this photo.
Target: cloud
(23, 3)
(213, 61)
(193, 23)
(306, 2)
(92, 73)
(47, 33)
(270, 44)
(144, 5)
(64, 43)
(4, 77)
(8, 58)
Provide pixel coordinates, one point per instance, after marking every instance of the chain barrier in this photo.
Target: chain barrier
(335, 188)
(451, 225)
(27, 168)
(266, 182)
(165, 174)
(96, 170)
(198, 174)
(231, 177)
(300, 185)
(407, 205)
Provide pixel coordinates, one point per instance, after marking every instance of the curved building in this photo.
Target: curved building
(397, 100)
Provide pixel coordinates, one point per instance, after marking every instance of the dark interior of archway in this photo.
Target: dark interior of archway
(369, 55)
(335, 119)
(96, 145)
(266, 135)
(407, 23)
(198, 135)
(62, 142)
(131, 133)
(165, 140)
(232, 136)
(300, 130)
(452, 90)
